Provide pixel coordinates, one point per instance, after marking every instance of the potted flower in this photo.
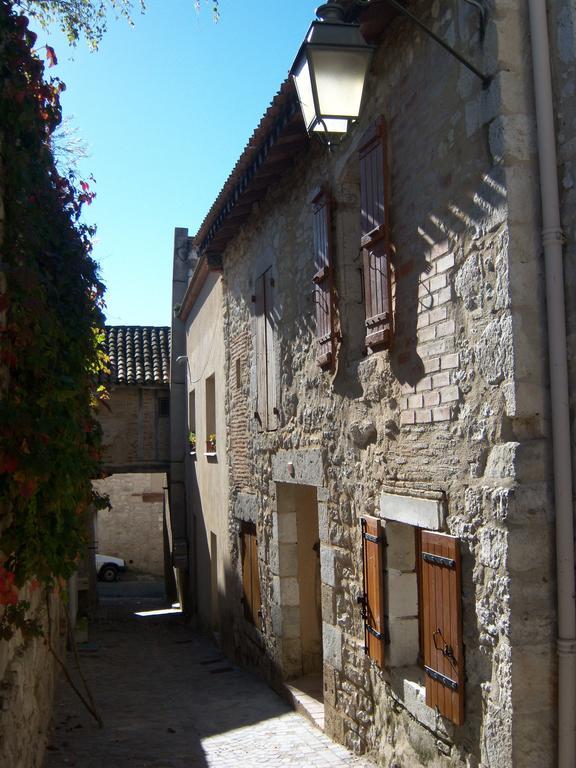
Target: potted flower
(211, 444)
(192, 442)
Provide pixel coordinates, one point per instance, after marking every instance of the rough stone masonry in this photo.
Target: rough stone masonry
(448, 428)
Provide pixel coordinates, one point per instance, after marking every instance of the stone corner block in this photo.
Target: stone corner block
(332, 644)
(328, 565)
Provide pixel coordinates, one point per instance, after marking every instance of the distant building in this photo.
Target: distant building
(136, 438)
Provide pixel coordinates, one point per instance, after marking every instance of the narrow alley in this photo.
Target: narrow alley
(169, 699)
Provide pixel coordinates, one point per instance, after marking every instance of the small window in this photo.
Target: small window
(211, 414)
(250, 574)
(417, 586)
(192, 420)
(163, 406)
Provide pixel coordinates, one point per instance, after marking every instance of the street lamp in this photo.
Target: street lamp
(329, 71)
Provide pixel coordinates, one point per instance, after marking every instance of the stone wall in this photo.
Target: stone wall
(136, 433)
(562, 27)
(133, 528)
(27, 678)
(455, 414)
(27, 669)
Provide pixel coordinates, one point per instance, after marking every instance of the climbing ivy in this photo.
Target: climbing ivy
(50, 334)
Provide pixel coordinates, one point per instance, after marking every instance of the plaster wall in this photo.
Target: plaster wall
(133, 528)
(207, 475)
(455, 412)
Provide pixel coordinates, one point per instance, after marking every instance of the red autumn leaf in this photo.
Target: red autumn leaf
(85, 186)
(28, 488)
(51, 56)
(8, 464)
(9, 598)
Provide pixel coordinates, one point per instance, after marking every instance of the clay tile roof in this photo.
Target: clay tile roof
(138, 354)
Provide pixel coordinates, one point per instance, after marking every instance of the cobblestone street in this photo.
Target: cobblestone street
(170, 700)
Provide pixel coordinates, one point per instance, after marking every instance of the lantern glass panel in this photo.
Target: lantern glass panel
(339, 80)
(304, 90)
(332, 125)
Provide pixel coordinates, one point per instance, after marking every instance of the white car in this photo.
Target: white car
(108, 568)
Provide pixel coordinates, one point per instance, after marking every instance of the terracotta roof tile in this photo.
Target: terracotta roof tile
(139, 354)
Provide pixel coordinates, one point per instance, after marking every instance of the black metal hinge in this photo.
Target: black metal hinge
(440, 678)
(373, 539)
(445, 562)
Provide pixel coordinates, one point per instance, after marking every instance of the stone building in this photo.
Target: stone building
(393, 491)
(199, 433)
(135, 424)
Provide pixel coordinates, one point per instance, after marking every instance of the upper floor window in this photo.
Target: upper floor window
(323, 278)
(266, 402)
(375, 236)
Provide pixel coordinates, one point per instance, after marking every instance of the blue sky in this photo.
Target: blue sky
(166, 108)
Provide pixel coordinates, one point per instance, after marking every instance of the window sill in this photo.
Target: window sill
(192, 453)
(210, 453)
(408, 688)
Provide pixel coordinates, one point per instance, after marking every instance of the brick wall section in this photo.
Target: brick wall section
(239, 414)
(435, 396)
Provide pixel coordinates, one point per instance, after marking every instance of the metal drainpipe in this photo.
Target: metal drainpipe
(552, 240)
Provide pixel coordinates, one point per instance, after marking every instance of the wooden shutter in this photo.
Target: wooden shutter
(375, 236)
(442, 625)
(260, 341)
(323, 278)
(270, 320)
(255, 580)
(373, 612)
(266, 407)
(250, 574)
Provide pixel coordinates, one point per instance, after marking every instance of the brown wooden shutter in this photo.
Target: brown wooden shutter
(373, 613)
(250, 574)
(260, 339)
(255, 578)
(270, 320)
(442, 625)
(323, 278)
(266, 406)
(375, 236)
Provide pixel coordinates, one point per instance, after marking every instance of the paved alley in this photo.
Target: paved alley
(170, 700)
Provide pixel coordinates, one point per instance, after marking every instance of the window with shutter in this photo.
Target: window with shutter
(442, 624)
(375, 236)
(323, 278)
(250, 573)
(266, 406)
(373, 602)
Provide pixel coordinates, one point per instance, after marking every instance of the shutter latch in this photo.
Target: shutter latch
(444, 647)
